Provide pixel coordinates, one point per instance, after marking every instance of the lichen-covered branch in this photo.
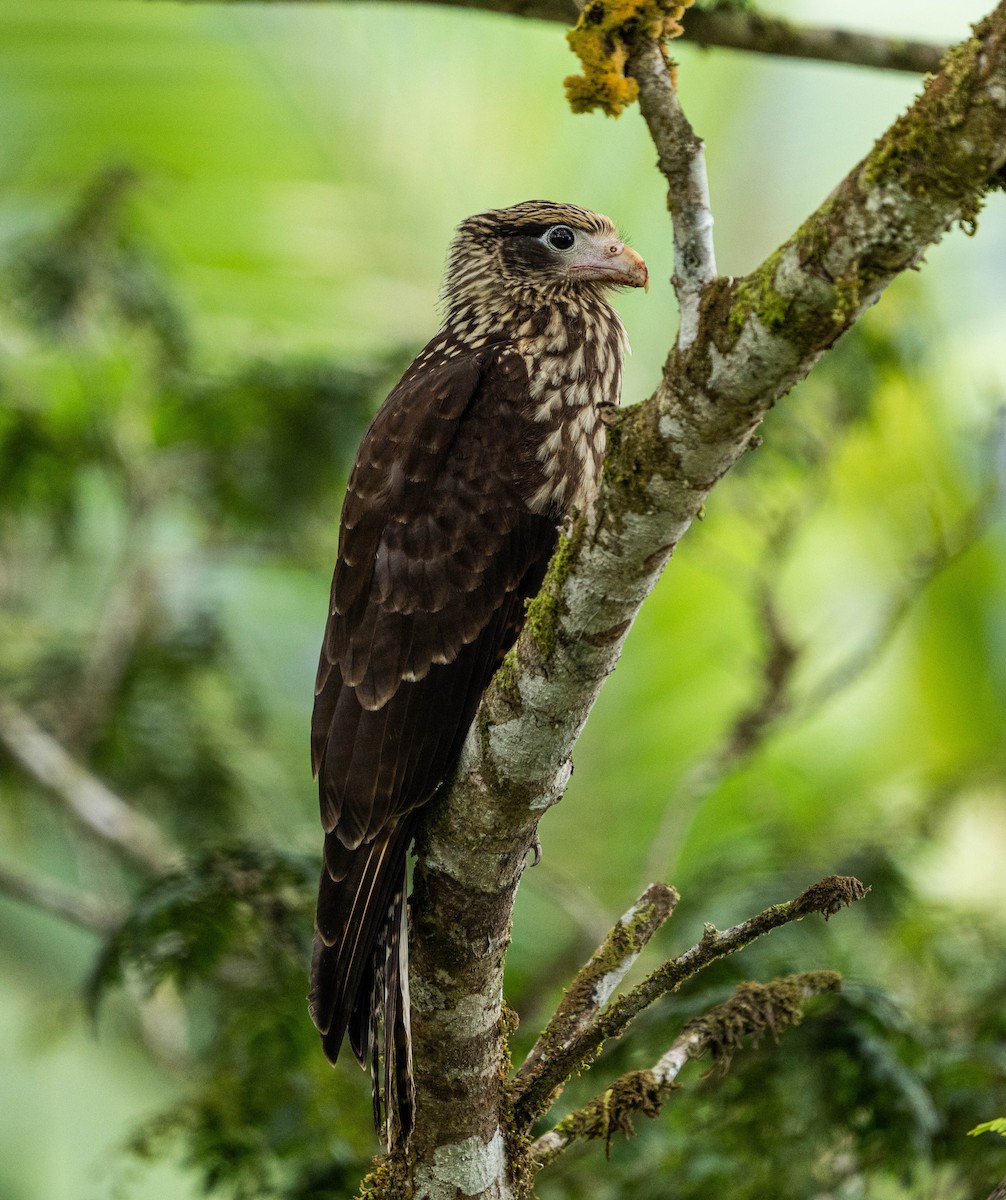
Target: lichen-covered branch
(595, 983)
(741, 29)
(681, 159)
(756, 338)
(752, 1011)
(91, 803)
(825, 897)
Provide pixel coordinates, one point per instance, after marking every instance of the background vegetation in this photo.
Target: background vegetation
(221, 231)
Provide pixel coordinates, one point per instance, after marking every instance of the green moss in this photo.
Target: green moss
(389, 1180)
(635, 453)
(923, 153)
(543, 612)
(848, 291)
(756, 296)
(521, 1166)
(506, 677)
(612, 1111)
(756, 1009)
(604, 38)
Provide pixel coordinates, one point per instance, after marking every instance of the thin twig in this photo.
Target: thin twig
(825, 897)
(595, 983)
(91, 802)
(78, 907)
(751, 1011)
(737, 29)
(681, 159)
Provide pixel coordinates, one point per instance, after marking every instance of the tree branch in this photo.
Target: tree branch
(999, 1192)
(825, 897)
(756, 338)
(595, 983)
(90, 802)
(77, 907)
(753, 1010)
(681, 158)
(740, 29)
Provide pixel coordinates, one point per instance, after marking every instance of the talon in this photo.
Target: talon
(535, 849)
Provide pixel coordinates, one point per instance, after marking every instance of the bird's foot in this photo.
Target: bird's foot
(607, 410)
(535, 849)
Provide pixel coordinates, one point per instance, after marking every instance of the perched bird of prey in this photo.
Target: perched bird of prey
(493, 435)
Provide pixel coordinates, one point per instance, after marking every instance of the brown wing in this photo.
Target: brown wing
(437, 554)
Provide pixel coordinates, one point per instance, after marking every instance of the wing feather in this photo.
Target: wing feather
(438, 552)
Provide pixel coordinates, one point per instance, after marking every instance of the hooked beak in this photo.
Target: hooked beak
(610, 261)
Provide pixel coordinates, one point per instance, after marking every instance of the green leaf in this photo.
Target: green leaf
(996, 1126)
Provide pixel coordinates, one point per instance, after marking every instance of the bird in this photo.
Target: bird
(492, 438)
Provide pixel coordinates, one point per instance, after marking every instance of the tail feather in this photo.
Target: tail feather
(359, 970)
(398, 1077)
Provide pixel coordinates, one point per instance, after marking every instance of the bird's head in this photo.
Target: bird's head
(537, 252)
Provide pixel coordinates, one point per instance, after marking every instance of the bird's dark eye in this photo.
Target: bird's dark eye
(560, 237)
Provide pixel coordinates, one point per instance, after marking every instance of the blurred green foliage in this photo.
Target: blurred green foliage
(818, 685)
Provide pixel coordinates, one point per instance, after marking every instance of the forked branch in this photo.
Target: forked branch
(752, 1011)
(755, 339)
(595, 983)
(825, 897)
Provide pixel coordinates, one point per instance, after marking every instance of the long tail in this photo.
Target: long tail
(360, 967)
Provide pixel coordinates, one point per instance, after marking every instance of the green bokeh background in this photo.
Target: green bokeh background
(301, 167)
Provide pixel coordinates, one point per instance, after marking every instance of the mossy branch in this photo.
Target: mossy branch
(826, 897)
(752, 341)
(754, 1010)
(597, 980)
(739, 28)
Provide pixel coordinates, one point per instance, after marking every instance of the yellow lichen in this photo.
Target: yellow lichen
(603, 39)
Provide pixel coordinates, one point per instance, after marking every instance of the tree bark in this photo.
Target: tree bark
(754, 338)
